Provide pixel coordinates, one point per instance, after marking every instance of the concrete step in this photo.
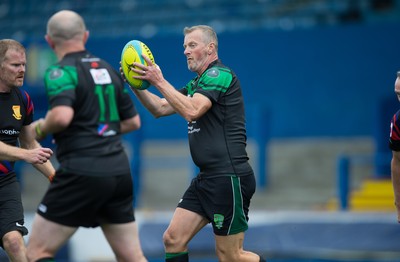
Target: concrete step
(373, 195)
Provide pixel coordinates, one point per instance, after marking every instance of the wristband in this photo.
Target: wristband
(39, 133)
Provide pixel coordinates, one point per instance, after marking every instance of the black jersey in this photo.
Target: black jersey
(394, 139)
(218, 139)
(91, 144)
(16, 112)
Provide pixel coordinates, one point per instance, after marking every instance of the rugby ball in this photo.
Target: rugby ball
(132, 53)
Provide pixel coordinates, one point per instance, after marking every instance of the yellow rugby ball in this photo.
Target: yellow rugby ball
(132, 53)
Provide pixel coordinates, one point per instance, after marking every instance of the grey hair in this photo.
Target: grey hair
(209, 35)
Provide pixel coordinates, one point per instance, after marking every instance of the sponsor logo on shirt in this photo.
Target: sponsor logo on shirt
(103, 130)
(191, 128)
(9, 132)
(100, 76)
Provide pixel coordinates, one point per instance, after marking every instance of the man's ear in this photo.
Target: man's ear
(211, 46)
(85, 36)
(49, 41)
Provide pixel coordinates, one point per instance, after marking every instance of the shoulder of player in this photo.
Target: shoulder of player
(58, 71)
(217, 74)
(396, 116)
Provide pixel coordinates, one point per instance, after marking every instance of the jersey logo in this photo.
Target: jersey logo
(17, 112)
(42, 208)
(103, 130)
(100, 76)
(218, 220)
(213, 72)
(55, 73)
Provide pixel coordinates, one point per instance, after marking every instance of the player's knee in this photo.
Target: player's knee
(168, 240)
(172, 243)
(36, 253)
(13, 243)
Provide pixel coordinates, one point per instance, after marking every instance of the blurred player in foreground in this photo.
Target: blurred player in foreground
(394, 144)
(212, 104)
(89, 110)
(15, 122)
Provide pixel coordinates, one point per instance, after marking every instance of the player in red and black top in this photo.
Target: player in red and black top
(16, 143)
(212, 103)
(394, 144)
(89, 110)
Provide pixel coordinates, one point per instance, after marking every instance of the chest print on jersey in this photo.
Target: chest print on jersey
(17, 112)
(192, 128)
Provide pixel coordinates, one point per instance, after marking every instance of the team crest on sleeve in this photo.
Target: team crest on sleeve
(55, 74)
(213, 72)
(100, 76)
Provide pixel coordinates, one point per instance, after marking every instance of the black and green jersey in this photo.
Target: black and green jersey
(91, 145)
(218, 139)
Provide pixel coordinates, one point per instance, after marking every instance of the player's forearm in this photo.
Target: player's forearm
(46, 169)
(180, 103)
(155, 105)
(11, 153)
(130, 124)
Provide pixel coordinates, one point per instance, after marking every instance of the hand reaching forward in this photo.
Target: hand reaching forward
(38, 155)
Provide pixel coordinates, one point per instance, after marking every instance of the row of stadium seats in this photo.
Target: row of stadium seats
(26, 19)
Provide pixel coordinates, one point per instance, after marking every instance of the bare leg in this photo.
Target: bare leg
(230, 249)
(124, 241)
(183, 226)
(14, 246)
(46, 238)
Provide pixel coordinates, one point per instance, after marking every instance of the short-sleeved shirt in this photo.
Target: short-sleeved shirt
(394, 138)
(16, 112)
(218, 139)
(91, 144)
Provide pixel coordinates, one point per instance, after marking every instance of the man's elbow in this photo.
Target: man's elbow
(191, 116)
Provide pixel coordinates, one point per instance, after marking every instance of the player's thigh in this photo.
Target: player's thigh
(47, 237)
(126, 233)
(184, 225)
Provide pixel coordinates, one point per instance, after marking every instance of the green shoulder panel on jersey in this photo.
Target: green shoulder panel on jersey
(58, 79)
(216, 78)
(190, 87)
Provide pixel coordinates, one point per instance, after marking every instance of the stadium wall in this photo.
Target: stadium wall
(330, 81)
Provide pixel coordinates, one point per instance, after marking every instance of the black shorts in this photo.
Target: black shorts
(11, 210)
(88, 201)
(223, 200)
